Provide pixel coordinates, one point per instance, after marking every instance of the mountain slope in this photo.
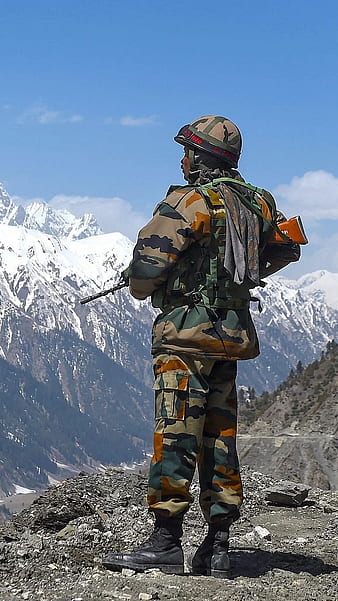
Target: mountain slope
(294, 430)
(95, 358)
(294, 324)
(40, 216)
(50, 422)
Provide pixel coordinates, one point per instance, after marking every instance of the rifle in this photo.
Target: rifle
(124, 281)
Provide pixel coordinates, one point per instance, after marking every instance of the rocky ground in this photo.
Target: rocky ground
(52, 551)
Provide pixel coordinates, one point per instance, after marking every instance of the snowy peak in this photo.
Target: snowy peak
(7, 206)
(322, 285)
(315, 276)
(38, 269)
(40, 216)
(60, 223)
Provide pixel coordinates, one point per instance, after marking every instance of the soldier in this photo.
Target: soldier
(198, 258)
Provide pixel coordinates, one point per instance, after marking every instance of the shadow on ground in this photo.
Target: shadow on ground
(254, 563)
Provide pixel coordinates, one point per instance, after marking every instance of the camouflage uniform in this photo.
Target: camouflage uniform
(195, 350)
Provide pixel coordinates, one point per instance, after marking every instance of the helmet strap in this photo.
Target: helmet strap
(191, 157)
(194, 169)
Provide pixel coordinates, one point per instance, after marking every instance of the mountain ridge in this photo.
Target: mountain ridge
(48, 334)
(42, 217)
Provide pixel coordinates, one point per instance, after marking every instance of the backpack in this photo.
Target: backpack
(277, 248)
(199, 276)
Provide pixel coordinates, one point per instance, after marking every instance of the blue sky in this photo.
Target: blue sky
(93, 92)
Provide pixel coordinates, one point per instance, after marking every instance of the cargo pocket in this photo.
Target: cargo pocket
(171, 393)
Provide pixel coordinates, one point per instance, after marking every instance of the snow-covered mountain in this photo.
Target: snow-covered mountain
(77, 377)
(295, 324)
(65, 363)
(42, 217)
(323, 285)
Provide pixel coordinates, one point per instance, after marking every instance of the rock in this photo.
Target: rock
(153, 572)
(329, 508)
(249, 537)
(66, 531)
(127, 572)
(262, 532)
(287, 493)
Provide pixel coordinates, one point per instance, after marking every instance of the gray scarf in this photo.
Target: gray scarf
(242, 233)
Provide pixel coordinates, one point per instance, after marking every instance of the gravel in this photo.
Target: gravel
(52, 551)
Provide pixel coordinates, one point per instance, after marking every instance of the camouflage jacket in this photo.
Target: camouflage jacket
(179, 229)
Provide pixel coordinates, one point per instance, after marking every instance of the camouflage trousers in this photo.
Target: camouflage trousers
(195, 423)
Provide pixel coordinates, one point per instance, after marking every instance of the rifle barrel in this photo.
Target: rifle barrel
(87, 299)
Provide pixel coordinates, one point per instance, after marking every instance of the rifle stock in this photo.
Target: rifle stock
(292, 228)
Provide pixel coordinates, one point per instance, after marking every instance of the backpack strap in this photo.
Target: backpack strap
(217, 291)
(217, 223)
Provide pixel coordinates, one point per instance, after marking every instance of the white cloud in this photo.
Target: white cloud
(42, 115)
(320, 253)
(74, 119)
(112, 214)
(327, 253)
(313, 195)
(130, 121)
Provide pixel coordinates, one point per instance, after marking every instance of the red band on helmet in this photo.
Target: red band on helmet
(224, 153)
(191, 136)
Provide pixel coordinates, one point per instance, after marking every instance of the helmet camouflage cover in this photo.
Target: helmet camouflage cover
(215, 135)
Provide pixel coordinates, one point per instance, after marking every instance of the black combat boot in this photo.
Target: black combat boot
(161, 550)
(211, 557)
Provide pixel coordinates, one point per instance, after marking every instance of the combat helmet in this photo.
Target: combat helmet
(214, 135)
